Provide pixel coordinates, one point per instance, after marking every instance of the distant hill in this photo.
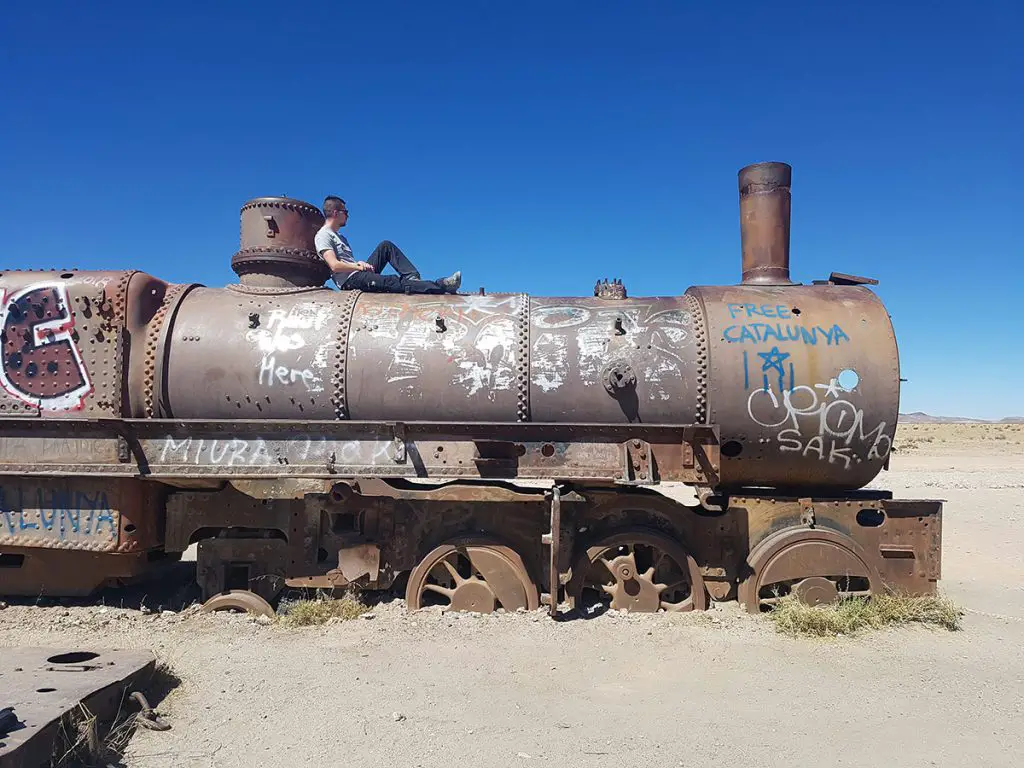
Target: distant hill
(924, 418)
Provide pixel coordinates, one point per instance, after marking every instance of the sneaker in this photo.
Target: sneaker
(451, 284)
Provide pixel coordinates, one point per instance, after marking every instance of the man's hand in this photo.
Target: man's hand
(364, 267)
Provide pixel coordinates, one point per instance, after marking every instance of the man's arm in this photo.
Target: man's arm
(337, 265)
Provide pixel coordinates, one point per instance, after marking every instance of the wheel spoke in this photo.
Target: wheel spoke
(674, 585)
(439, 589)
(454, 573)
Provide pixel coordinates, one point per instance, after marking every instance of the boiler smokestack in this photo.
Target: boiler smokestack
(764, 223)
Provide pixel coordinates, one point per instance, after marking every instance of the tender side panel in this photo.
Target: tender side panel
(63, 343)
(94, 514)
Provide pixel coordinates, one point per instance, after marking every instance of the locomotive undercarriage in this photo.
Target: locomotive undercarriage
(447, 516)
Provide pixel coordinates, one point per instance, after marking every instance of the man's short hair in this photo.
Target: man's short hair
(332, 205)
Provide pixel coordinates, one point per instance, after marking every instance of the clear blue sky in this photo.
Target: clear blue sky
(540, 145)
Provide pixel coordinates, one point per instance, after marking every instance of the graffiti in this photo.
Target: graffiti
(549, 360)
(772, 362)
(819, 421)
(559, 317)
(472, 337)
(661, 333)
(56, 514)
(779, 311)
(491, 359)
(40, 363)
(285, 335)
(760, 332)
(95, 280)
(263, 452)
(271, 372)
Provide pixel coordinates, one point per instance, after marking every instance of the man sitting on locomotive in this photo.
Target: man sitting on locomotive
(349, 274)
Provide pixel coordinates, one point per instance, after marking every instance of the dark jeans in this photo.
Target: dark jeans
(406, 281)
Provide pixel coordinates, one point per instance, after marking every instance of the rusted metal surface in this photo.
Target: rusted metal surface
(35, 571)
(764, 223)
(578, 346)
(239, 356)
(553, 541)
(610, 290)
(276, 244)
(93, 514)
(806, 384)
(861, 545)
(62, 343)
(182, 449)
(258, 565)
(456, 357)
(806, 561)
(45, 686)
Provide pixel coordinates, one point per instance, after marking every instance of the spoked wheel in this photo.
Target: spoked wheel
(638, 571)
(816, 566)
(472, 575)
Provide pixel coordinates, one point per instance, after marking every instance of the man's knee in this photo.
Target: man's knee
(386, 244)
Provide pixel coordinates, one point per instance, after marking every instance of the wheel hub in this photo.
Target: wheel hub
(631, 592)
(640, 571)
(816, 590)
(473, 595)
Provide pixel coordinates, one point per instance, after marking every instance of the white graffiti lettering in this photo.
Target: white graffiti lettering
(818, 421)
(262, 452)
(284, 345)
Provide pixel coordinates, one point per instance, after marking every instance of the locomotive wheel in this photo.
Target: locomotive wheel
(637, 570)
(817, 566)
(239, 600)
(472, 575)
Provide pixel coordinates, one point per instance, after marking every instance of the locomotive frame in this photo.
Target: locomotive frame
(100, 482)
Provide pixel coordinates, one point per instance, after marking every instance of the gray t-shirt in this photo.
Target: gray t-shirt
(328, 239)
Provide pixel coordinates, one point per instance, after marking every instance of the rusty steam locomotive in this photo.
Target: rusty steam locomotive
(482, 451)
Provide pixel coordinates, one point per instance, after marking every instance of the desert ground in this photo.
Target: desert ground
(715, 688)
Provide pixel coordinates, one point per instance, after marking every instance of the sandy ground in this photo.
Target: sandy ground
(719, 688)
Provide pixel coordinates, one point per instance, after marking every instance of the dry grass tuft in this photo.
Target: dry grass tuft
(856, 615)
(320, 610)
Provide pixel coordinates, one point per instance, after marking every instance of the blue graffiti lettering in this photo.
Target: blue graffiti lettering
(772, 311)
(755, 333)
(56, 514)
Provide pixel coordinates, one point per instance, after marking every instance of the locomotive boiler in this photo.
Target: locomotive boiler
(480, 451)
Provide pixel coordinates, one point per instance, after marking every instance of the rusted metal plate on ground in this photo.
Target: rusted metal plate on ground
(46, 685)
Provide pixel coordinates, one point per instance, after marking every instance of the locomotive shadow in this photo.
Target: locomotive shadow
(171, 587)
